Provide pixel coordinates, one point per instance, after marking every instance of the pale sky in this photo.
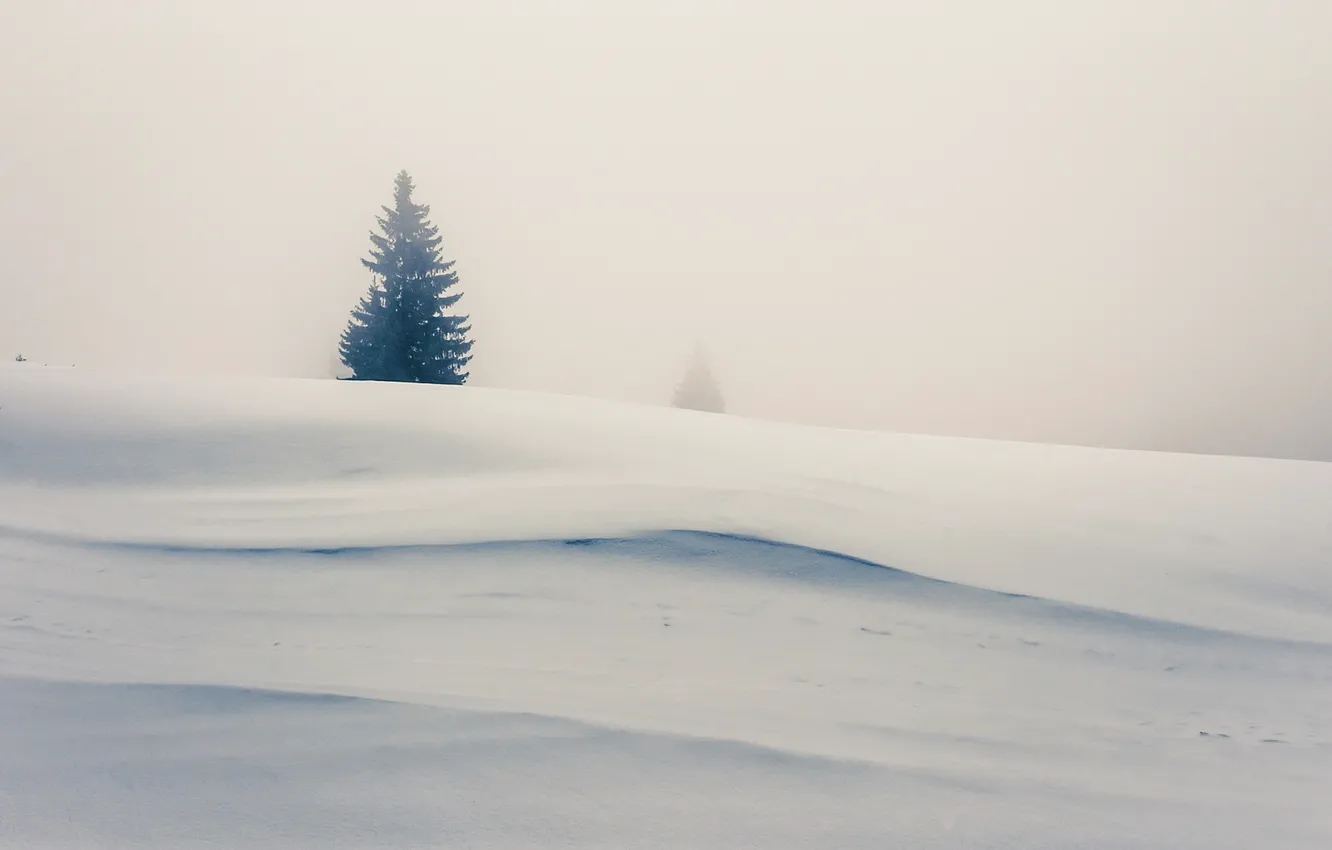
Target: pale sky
(1064, 220)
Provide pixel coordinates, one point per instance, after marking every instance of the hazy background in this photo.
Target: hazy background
(1098, 222)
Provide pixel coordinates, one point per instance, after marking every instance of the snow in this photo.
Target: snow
(271, 613)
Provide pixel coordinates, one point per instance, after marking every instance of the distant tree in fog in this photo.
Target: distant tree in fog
(400, 331)
(698, 389)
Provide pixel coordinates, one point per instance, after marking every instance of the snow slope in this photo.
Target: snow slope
(315, 613)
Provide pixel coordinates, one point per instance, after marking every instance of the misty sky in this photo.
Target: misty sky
(1100, 222)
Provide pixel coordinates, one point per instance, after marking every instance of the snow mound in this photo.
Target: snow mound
(329, 614)
(1223, 543)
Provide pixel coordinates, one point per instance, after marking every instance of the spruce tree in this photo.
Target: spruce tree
(698, 390)
(400, 331)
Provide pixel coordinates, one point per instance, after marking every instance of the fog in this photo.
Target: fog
(1093, 222)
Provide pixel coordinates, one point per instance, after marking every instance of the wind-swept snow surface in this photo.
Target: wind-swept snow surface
(327, 614)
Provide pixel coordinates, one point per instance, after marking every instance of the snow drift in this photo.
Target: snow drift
(1231, 543)
(553, 621)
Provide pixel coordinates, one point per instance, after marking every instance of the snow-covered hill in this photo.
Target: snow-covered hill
(317, 613)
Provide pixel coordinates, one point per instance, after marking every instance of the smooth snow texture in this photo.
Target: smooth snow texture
(558, 622)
